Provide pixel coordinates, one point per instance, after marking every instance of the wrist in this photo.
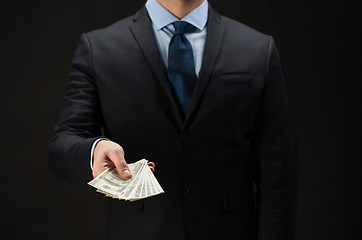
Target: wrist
(93, 150)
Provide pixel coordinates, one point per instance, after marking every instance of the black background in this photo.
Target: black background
(320, 49)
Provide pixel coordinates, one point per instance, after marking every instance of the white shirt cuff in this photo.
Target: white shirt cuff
(92, 150)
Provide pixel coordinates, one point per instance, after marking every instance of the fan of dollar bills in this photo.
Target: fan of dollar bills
(141, 185)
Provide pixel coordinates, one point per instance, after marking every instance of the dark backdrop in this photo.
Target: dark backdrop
(320, 49)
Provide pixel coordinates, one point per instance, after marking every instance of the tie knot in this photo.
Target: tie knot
(182, 27)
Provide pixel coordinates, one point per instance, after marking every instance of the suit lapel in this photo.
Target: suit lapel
(214, 38)
(142, 31)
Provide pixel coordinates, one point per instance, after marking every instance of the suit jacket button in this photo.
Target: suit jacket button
(185, 138)
(185, 190)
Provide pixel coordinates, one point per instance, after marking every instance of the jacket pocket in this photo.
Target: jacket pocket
(235, 76)
(238, 200)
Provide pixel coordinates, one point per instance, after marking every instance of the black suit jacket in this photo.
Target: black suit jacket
(236, 135)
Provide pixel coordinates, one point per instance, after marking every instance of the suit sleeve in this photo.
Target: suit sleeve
(79, 122)
(273, 148)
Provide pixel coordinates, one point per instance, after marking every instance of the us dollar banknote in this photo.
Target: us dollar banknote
(142, 184)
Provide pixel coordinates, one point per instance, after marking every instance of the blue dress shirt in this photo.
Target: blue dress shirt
(162, 21)
(163, 28)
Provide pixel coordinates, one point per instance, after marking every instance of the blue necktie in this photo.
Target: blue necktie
(181, 65)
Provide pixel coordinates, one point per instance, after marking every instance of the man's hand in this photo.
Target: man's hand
(110, 154)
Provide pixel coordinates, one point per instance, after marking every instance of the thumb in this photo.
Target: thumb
(117, 157)
(124, 171)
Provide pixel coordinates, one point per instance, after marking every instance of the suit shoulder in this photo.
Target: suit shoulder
(119, 26)
(238, 28)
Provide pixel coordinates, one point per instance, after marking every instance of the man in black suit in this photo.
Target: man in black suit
(220, 134)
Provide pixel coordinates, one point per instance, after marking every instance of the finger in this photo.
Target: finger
(152, 166)
(117, 157)
(95, 173)
(101, 166)
(109, 164)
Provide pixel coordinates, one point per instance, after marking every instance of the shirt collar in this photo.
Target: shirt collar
(161, 17)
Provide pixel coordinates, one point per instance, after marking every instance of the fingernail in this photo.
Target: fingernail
(127, 173)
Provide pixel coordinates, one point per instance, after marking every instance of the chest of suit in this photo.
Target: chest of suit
(133, 86)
